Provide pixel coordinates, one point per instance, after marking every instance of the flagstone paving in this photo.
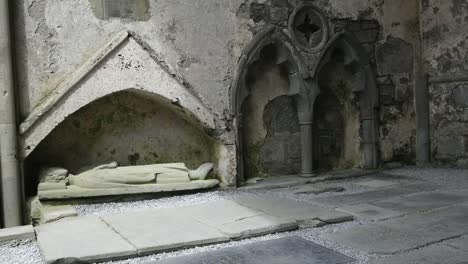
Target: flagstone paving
(141, 233)
(420, 216)
(288, 250)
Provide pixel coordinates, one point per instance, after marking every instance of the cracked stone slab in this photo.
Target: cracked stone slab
(402, 234)
(424, 201)
(435, 254)
(369, 212)
(291, 250)
(460, 244)
(163, 230)
(17, 233)
(84, 238)
(238, 221)
(317, 189)
(276, 182)
(292, 210)
(375, 183)
(367, 197)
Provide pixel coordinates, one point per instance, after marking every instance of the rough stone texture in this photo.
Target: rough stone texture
(85, 238)
(314, 189)
(291, 250)
(153, 231)
(140, 74)
(370, 212)
(460, 244)
(376, 183)
(200, 41)
(429, 255)
(17, 233)
(411, 232)
(424, 201)
(127, 9)
(73, 192)
(238, 221)
(292, 210)
(51, 214)
(394, 56)
(445, 59)
(281, 151)
(374, 195)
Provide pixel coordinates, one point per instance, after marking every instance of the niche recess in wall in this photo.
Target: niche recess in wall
(270, 126)
(129, 9)
(129, 127)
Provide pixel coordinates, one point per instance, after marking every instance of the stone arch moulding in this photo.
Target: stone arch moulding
(368, 94)
(125, 63)
(300, 87)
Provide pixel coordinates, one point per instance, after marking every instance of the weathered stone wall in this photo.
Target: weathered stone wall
(446, 61)
(202, 40)
(389, 31)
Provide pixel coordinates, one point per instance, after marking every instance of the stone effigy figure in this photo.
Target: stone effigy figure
(112, 176)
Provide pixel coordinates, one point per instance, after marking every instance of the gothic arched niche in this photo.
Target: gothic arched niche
(336, 116)
(349, 96)
(130, 127)
(269, 125)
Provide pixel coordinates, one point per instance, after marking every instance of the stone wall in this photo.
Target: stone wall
(446, 61)
(202, 41)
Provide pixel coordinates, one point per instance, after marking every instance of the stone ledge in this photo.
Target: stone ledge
(17, 233)
(73, 192)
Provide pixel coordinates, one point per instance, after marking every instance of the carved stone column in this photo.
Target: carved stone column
(305, 93)
(369, 144)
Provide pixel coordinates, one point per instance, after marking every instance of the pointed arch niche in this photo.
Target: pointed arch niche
(271, 99)
(287, 116)
(124, 105)
(346, 129)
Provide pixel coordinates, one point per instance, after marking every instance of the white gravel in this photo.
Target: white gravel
(169, 202)
(20, 252)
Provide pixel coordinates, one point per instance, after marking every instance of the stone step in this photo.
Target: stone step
(17, 233)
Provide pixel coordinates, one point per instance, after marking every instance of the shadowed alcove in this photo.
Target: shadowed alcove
(336, 115)
(130, 127)
(270, 128)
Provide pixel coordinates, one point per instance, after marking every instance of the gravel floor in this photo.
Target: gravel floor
(20, 252)
(28, 252)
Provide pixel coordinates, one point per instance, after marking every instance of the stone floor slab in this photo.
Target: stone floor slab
(370, 196)
(436, 254)
(237, 221)
(292, 210)
(317, 189)
(406, 233)
(290, 250)
(163, 230)
(375, 183)
(276, 182)
(84, 238)
(424, 201)
(460, 244)
(17, 233)
(369, 212)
